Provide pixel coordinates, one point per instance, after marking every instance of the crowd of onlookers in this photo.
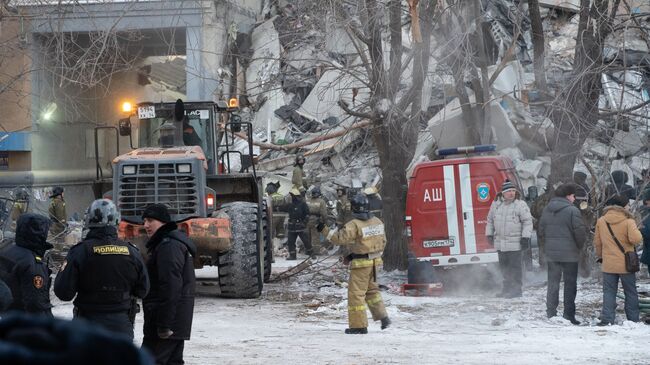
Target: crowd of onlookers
(563, 232)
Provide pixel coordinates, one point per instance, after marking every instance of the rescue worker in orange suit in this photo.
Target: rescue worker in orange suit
(23, 268)
(58, 215)
(317, 214)
(343, 210)
(298, 177)
(20, 205)
(509, 227)
(364, 235)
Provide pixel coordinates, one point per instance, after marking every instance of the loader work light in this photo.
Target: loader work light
(184, 168)
(128, 170)
(233, 103)
(127, 107)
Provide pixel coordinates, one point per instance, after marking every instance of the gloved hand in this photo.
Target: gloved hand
(320, 226)
(490, 240)
(165, 333)
(525, 243)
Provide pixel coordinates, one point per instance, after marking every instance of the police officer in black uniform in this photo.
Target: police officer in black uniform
(22, 266)
(106, 275)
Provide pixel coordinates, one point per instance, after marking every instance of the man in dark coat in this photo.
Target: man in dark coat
(107, 275)
(5, 296)
(23, 268)
(564, 233)
(619, 187)
(297, 227)
(645, 228)
(169, 307)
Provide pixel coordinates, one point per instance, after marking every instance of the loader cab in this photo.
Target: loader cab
(195, 128)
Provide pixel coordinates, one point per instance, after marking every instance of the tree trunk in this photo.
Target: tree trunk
(537, 30)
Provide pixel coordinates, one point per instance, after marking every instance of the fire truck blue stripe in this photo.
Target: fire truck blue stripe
(468, 208)
(450, 203)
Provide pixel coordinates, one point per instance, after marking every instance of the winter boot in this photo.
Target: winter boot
(292, 256)
(385, 322)
(603, 323)
(356, 331)
(573, 320)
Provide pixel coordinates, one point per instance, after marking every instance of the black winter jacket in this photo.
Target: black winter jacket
(563, 231)
(298, 213)
(22, 266)
(5, 296)
(103, 272)
(170, 303)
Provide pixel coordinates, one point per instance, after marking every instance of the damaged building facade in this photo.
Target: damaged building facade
(291, 64)
(70, 67)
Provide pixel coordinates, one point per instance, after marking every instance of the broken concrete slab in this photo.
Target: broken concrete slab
(513, 153)
(265, 62)
(572, 6)
(599, 150)
(627, 143)
(545, 171)
(528, 169)
(333, 86)
(448, 127)
(509, 80)
(262, 85)
(265, 117)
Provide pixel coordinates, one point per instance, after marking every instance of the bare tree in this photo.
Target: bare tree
(574, 111)
(394, 110)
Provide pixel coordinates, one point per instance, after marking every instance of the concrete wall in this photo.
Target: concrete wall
(63, 147)
(15, 98)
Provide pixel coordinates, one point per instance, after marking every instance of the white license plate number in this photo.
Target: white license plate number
(146, 112)
(438, 243)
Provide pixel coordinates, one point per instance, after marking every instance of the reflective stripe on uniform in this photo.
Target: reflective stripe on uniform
(357, 263)
(356, 308)
(331, 233)
(374, 300)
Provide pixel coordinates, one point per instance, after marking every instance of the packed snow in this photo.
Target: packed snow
(301, 320)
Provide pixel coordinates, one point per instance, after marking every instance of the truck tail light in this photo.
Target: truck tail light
(209, 200)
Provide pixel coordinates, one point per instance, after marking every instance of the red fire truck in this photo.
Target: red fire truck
(448, 202)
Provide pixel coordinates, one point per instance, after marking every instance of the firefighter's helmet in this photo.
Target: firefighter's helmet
(58, 190)
(315, 192)
(22, 194)
(359, 203)
(102, 213)
(370, 190)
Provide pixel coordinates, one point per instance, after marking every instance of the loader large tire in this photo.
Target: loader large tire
(267, 242)
(241, 268)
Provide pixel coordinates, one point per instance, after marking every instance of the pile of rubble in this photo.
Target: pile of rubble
(300, 70)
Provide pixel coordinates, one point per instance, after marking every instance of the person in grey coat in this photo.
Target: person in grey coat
(564, 233)
(508, 229)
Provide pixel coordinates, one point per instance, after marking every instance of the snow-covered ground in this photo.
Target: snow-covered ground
(301, 320)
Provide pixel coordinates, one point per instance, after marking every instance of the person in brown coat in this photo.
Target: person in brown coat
(617, 222)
